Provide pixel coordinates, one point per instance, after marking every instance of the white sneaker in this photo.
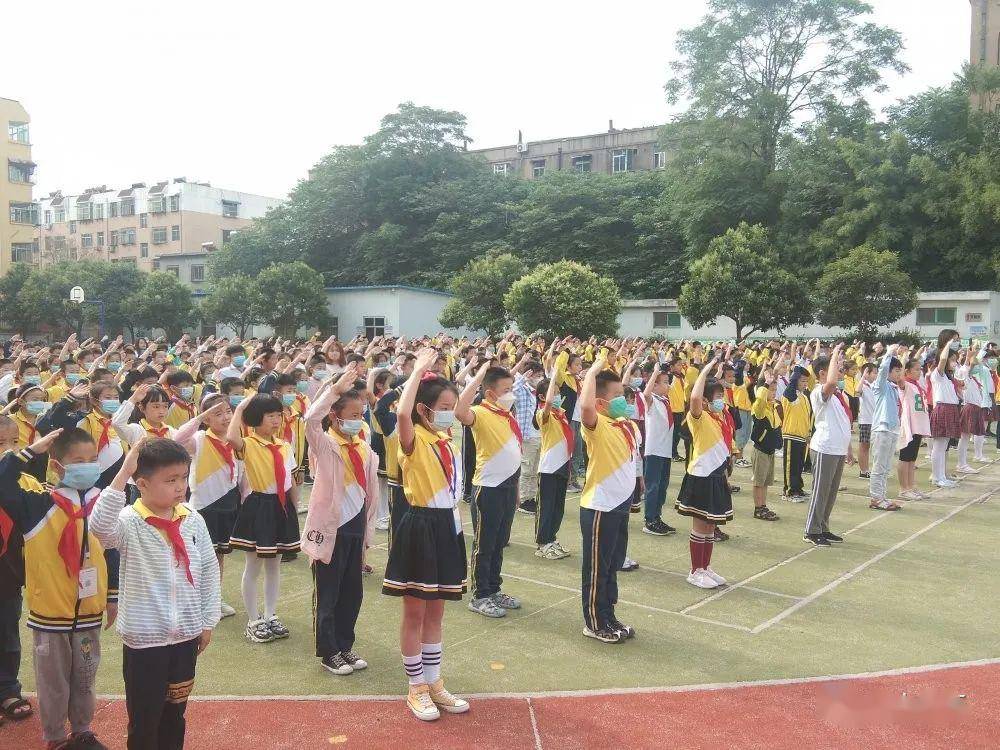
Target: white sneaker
(420, 703)
(382, 524)
(715, 576)
(226, 610)
(910, 495)
(966, 470)
(701, 580)
(945, 484)
(983, 460)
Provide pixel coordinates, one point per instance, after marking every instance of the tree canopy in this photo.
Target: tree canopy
(565, 297)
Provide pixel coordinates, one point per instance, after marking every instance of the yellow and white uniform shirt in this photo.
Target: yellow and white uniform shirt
(498, 449)
(611, 468)
(556, 441)
(215, 470)
(709, 450)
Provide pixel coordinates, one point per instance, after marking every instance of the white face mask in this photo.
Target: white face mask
(506, 401)
(442, 420)
(351, 426)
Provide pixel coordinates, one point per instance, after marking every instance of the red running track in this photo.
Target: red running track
(920, 710)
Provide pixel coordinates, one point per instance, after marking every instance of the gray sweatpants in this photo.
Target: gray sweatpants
(882, 451)
(65, 671)
(827, 471)
(530, 449)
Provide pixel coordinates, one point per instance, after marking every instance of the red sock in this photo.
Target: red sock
(706, 555)
(695, 543)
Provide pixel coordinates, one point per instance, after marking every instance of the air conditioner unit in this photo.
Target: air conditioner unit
(522, 148)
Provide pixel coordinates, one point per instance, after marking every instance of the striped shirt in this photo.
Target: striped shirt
(157, 605)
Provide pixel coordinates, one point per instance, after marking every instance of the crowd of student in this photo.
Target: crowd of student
(130, 472)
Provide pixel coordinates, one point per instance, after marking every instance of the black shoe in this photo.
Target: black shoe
(635, 507)
(626, 631)
(831, 537)
(720, 535)
(528, 506)
(656, 528)
(605, 635)
(818, 539)
(865, 474)
(676, 457)
(764, 513)
(85, 741)
(734, 489)
(575, 486)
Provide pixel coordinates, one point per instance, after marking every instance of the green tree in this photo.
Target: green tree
(757, 66)
(161, 302)
(740, 278)
(479, 291)
(292, 296)
(14, 315)
(864, 290)
(234, 302)
(565, 298)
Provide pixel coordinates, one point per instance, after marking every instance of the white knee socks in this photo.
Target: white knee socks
(251, 572)
(963, 449)
(939, 447)
(272, 583)
(430, 654)
(978, 441)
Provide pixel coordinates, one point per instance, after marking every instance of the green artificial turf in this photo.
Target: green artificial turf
(930, 601)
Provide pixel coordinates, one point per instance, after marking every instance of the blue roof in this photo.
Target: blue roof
(389, 286)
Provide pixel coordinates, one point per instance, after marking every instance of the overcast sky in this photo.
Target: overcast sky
(248, 95)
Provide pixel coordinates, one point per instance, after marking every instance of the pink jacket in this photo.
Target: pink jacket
(327, 467)
(915, 419)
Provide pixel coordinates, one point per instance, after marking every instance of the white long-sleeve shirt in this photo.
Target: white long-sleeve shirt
(157, 605)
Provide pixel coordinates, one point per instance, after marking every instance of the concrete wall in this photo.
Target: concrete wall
(17, 192)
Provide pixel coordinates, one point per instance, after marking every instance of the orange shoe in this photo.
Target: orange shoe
(446, 701)
(420, 703)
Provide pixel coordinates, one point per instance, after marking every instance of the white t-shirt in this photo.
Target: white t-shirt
(832, 434)
(659, 428)
(867, 397)
(943, 389)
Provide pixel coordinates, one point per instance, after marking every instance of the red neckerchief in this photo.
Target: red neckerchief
(626, 433)
(286, 429)
(920, 388)
(666, 405)
(301, 401)
(105, 437)
(725, 427)
(447, 460)
(173, 532)
(567, 431)
(6, 527)
(358, 464)
(159, 432)
(508, 415)
(225, 451)
(843, 402)
(180, 404)
(279, 470)
(69, 542)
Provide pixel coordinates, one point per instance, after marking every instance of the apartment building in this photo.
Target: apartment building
(18, 214)
(984, 45)
(142, 222)
(628, 150)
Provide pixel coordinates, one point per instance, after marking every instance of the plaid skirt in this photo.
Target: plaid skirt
(972, 420)
(945, 421)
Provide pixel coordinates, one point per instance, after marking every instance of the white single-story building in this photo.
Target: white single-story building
(970, 313)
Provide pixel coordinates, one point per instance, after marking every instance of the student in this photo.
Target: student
(678, 399)
(525, 400)
(866, 399)
(180, 386)
(12, 704)
(153, 403)
(568, 367)
(796, 429)
(293, 429)
(972, 419)
(743, 401)
(216, 475)
(427, 564)
(885, 428)
(658, 448)
(170, 588)
(67, 598)
(945, 416)
(340, 523)
(557, 445)
(611, 440)
(765, 437)
(498, 466)
(236, 355)
(831, 446)
(915, 424)
(379, 381)
(267, 522)
(385, 416)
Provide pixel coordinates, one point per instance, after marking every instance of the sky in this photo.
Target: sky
(249, 95)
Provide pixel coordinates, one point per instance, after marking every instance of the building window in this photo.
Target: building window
(175, 203)
(128, 206)
(98, 211)
(19, 171)
(143, 221)
(230, 208)
(23, 213)
(156, 265)
(197, 273)
(86, 240)
(175, 233)
(18, 132)
(84, 211)
(537, 167)
(72, 227)
(114, 239)
(659, 159)
(936, 316)
(582, 163)
(334, 327)
(48, 217)
(22, 252)
(175, 270)
(622, 160)
(666, 320)
(60, 215)
(113, 209)
(159, 235)
(501, 168)
(143, 249)
(157, 204)
(100, 239)
(374, 327)
(128, 236)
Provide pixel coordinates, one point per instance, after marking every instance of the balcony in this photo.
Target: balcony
(24, 213)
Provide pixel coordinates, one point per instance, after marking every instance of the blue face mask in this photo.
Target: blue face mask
(351, 426)
(302, 386)
(239, 360)
(636, 382)
(114, 366)
(72, 378)
(110, 405)
(33, 379)
(37, 407)
(187, 392)
(631, 411)
(617, 407)
(556, 402)
(443, 419)
(235, 400)
(841, 384)
(718, 404)
(81, 476)
(287, 399)
(55, 368)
